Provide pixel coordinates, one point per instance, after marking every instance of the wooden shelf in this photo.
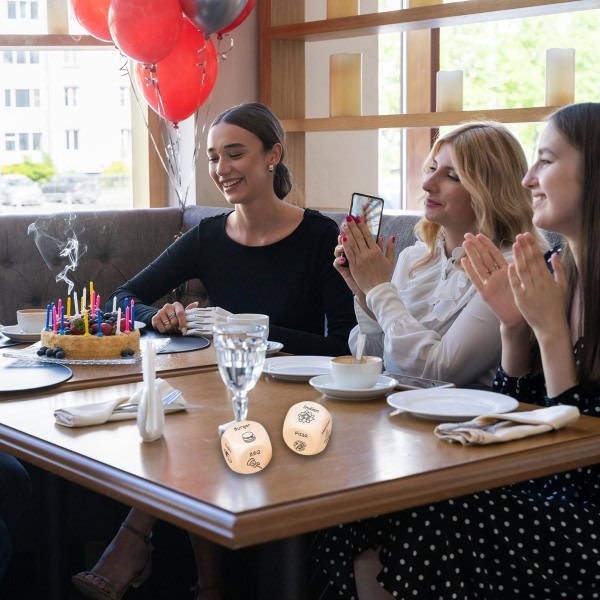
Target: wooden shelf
(423, 17)
(438, 119)
(283, 35)
(51, 42)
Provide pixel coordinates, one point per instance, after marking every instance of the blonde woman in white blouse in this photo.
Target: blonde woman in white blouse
(424, 317)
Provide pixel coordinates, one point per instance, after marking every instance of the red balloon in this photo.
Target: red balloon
(145, 31)
(92, 15)
(240, 19)
(182, 82)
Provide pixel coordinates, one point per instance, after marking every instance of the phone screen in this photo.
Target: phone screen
(369, 208)
(417, 383)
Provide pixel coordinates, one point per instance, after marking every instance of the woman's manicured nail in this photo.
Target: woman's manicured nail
(342, 259)
(393, 239)
(348, 218)
(357, 219)
(344, 238)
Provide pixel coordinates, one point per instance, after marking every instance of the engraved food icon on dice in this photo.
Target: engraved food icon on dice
(306, 417)
(299, 446)
(248, 437)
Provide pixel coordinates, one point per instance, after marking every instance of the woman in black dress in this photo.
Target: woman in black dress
(537, 539)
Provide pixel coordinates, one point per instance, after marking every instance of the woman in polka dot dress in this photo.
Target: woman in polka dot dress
(539, 539)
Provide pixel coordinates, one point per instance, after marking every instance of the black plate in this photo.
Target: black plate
(17, 377)
(178, 343)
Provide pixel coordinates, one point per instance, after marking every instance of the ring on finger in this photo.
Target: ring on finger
(171, 315)
(165, 322)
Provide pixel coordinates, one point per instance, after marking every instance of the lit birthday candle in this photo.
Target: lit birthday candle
(75, 305)
(119, 321)
(84, 299)
(48, 313)
(59, 307)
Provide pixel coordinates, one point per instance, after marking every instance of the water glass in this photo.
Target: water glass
(240, 356)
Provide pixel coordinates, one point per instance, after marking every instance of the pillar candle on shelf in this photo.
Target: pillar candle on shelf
(560, 76)
(58, 17)
(345, 83)
(449, 91)
(341, 8)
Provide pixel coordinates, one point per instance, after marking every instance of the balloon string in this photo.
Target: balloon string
(170, 170)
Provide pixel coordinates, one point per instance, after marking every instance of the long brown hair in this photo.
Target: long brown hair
(580, 125)
(490, 163)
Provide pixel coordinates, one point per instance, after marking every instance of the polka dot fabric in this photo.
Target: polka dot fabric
(539, 539)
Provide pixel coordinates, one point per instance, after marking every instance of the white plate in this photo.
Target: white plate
(274, 348)
(451, 404)
(139, 324)
(325, 385)
(296, 368)
(14, 332)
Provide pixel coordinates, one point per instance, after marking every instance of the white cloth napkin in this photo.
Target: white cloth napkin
(101, 412)
(490, 429)
(200, 321)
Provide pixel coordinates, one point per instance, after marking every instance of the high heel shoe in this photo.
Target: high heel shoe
(83, 581)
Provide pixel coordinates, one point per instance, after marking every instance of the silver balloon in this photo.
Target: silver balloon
(212, 15)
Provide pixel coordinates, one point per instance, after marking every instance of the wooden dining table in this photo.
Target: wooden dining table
(374, 463)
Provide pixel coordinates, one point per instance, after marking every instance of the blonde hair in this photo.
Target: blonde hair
(490, 163)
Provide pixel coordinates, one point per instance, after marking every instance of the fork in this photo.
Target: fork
(132, 407)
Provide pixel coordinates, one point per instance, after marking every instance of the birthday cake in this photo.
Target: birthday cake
(77, 340)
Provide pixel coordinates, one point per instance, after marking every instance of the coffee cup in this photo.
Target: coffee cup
(348, 373)
(31, 320)
(250, 319)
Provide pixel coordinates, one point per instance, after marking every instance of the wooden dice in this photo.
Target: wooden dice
(246, 447)
(307, 428)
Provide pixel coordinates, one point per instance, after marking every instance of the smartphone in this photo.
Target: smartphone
(369, 209)
(407, 382)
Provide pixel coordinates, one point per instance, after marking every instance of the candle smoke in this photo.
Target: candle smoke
(58, 244)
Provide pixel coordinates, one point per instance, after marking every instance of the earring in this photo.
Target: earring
(271, 168)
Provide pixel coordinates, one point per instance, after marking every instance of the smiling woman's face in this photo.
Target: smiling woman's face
(556, 182)
(238, 164)
(447, 202)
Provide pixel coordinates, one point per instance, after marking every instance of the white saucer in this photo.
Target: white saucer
(296, 368)
(325, 385)
(274, 348)
(14, 332)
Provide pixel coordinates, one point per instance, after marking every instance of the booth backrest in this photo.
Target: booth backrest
(106, 247)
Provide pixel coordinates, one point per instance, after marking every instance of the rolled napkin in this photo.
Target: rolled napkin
(491, 429)
(101, 412)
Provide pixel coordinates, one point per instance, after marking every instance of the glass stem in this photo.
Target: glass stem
(240, 406)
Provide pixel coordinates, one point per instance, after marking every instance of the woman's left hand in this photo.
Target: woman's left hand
(540, 296)
(369, 265)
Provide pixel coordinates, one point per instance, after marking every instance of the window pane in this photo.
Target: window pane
(21, 98)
